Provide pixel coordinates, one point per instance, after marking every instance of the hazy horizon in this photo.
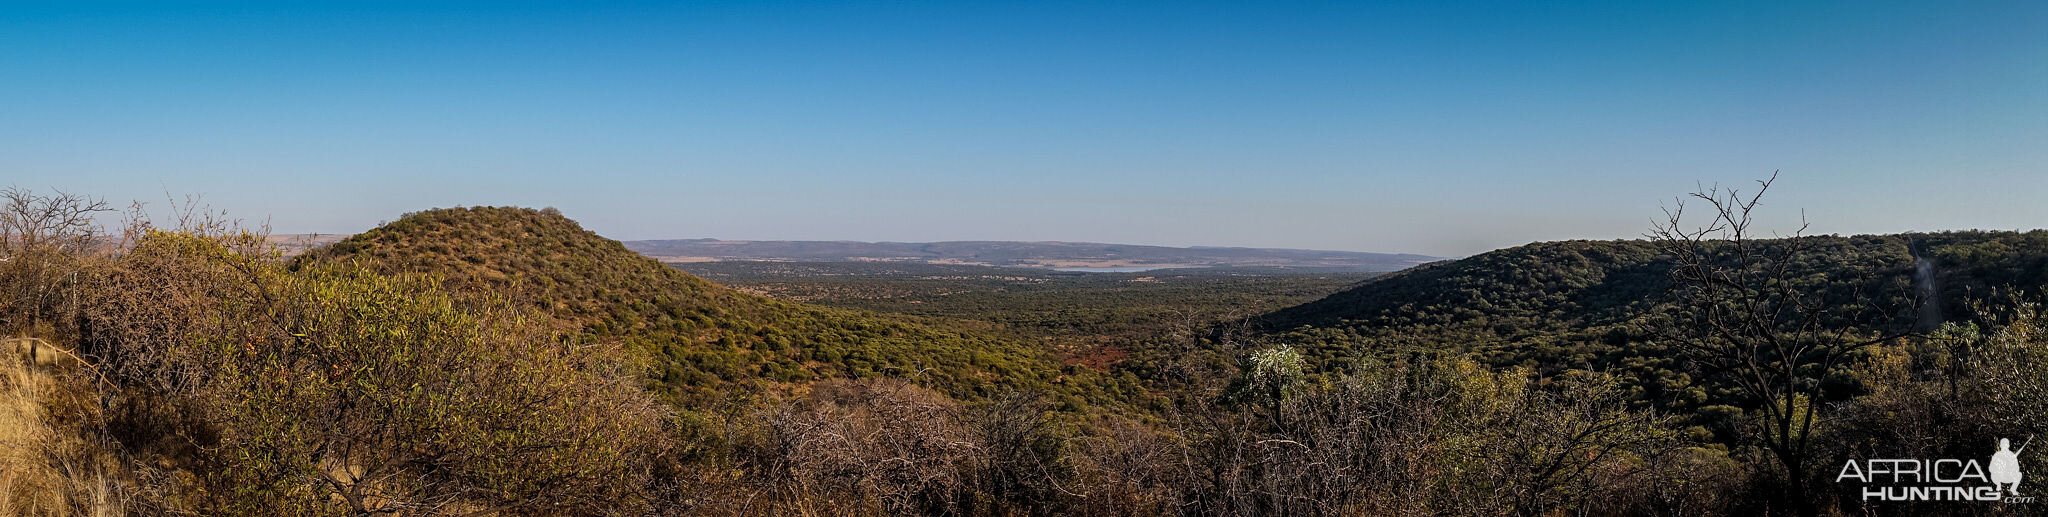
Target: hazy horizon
(718, 238)
(1439, 129)
(1637, 236)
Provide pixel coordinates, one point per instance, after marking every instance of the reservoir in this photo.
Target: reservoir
(1124, 269)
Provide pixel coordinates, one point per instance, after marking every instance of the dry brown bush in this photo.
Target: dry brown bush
(880, 446)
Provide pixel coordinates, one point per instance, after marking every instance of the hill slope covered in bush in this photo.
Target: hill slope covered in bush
(700, 337)
(1591, 304)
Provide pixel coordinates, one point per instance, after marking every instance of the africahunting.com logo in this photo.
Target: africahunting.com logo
(1942, 479)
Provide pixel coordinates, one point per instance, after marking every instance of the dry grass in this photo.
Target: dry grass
(48, 465)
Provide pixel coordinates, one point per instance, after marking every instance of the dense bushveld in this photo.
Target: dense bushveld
(702, 340)
(505, 361)
(1082, 312)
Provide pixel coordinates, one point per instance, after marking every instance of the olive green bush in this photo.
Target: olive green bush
(333, 390)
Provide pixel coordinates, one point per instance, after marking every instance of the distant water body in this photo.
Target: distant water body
(1125, 269)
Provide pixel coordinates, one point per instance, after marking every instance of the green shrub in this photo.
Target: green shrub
(334, 390)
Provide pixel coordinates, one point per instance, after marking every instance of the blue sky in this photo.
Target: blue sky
(1445, 128)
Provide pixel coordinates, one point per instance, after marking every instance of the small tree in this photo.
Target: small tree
(1750, 309)
(1273, 375)
(41, 239)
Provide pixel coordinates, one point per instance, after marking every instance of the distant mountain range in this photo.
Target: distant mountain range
(1046, 255)
(1021, 254)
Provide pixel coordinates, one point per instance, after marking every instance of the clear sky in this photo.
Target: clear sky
(1444, 128)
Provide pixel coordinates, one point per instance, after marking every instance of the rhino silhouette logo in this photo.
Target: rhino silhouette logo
(2005, 466)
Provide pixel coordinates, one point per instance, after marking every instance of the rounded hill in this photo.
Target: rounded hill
(700, 337)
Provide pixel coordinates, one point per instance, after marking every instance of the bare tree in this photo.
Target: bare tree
(41, 238)
(884, 446)
(1749, 309)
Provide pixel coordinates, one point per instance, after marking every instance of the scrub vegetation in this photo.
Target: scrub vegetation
(506, 361)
